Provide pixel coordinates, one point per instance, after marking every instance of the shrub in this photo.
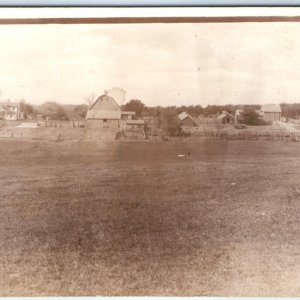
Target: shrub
(251, 117)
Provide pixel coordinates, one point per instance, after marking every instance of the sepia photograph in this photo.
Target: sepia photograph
(150, 156)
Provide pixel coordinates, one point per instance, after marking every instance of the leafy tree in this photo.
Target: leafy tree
(170, 123)
(53, 110)
(135, 105)
(291, 110)
(251, 117)
(27, 109)
(81, 110)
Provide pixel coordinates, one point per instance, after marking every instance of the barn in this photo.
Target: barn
(271, 112)
(104, 112)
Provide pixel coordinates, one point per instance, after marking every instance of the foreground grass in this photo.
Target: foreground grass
(133, 218)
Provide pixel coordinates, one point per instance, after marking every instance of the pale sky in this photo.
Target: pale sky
(160, 64)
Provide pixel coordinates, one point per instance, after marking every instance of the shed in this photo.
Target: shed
(186, 120)
(225, 118)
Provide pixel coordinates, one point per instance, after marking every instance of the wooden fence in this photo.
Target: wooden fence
(90, 134)
(251, 135)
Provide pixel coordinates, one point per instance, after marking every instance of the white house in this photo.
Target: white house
(11, 111)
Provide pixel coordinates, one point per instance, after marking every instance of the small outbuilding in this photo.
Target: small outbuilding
(186, 120)
(225, 118)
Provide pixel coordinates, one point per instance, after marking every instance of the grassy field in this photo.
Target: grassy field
(134, 218)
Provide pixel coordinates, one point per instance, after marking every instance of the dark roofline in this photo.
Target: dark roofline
(100, 97)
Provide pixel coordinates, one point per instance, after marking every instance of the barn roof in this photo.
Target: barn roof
(105, 97)
(271, 108)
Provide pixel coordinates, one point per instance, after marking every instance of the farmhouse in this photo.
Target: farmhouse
(186, 120)
(271, 112)
(225, 118)
(10, 111)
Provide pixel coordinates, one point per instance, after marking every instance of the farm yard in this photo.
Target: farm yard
(72, 131)
(190, 217)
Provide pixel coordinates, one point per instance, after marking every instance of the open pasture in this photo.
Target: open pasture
(134, 218)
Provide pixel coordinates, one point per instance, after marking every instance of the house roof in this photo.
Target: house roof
(9, 103)
(271, 108)
(103, 114)
(183, 115)
(224, 114)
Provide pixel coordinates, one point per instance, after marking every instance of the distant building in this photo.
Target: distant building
(11, 111)
(226, 118)
(186, 120)
(271, 112)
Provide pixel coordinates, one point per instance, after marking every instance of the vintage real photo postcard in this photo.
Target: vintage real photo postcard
(149, 156)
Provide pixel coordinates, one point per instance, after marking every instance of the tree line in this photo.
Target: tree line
(160, 114)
